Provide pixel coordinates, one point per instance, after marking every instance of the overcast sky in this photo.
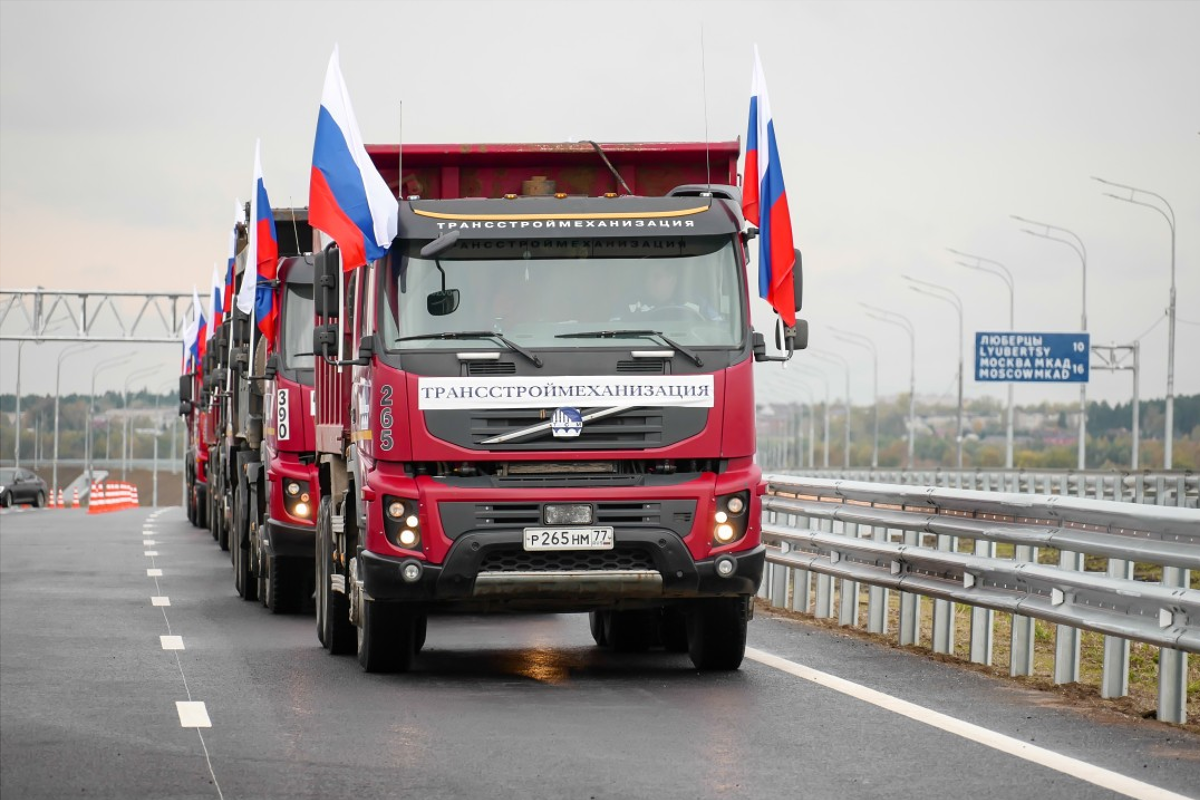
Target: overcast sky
(127, 130)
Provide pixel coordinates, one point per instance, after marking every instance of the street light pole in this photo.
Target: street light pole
(901, 321)
(111, 362)
(1080, 251)
(833, 358)
(1169, 216)
(824, 412)
(999, 270)
(859, 340)
(126, 450)
(952, 298)
(66, 351)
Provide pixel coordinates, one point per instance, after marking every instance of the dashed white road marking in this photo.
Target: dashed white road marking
(172, 642)
(160, 600)
(151, 553)
(154, 573)
(148, 542)
(1082, 770)
(193, 714)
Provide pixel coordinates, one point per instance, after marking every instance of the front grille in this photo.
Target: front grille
(491, 368)
(460, 518)
(514, 559)
(642, 366)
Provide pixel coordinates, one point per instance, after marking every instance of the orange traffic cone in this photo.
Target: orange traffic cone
(75, 499)
(50, 500)
(59, 504)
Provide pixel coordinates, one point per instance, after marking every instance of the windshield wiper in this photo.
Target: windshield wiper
(645, 334)
(537, 362)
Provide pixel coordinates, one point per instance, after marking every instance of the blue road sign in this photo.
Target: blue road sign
(1032, 357)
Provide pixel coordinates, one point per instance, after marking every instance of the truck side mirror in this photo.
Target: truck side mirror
(798, 283)
(185, 408)
(327, 273)
(272, 367)
(325, 340)
(185, 388)
(366, 348)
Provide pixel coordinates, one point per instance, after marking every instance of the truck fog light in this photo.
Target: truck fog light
(407, 537)
(304, 497)
(301, 510)
(396, 509)
(721, 516)
(411, 572)
(735, 505)
(725, 533)
(293, 488)
(411, 521)
(725, 566)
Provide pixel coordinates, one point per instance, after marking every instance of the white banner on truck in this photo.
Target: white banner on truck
(584, 391)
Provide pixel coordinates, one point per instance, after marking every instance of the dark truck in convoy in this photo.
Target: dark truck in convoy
(259, 420)
(541, 399)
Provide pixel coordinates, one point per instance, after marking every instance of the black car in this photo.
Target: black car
(19, 486)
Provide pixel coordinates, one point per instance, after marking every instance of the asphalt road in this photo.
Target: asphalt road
(497, 707)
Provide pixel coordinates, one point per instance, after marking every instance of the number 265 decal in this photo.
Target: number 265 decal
(385, 417)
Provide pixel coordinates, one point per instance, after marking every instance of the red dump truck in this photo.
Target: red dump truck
(542, 399)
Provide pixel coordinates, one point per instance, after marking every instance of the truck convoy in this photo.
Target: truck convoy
(540, 399)
(252, 435)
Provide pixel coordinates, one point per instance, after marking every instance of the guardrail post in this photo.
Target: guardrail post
(910, 604)
(1172, 665)
(982, 618)
(1021, 649)
(877, 596)
(1066, 638)
(779, 579)
(848, 590)
(825, 585)
(1114, 680)
(943, 613)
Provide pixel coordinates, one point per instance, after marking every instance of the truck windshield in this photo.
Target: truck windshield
(298, 326)
(533, 291)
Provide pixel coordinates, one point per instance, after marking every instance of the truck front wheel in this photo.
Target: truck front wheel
(333, 608)
(243, 577)
(386, 637)
(716, 633)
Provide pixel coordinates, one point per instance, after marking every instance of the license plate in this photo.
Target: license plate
(569, 538)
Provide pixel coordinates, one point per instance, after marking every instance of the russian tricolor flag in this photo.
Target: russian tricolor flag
(195, 333)
(764, 203)
(347, 197)
(216, 302)
(263, 253)
(230, 267)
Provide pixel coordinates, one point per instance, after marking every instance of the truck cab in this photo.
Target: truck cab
(541, 399)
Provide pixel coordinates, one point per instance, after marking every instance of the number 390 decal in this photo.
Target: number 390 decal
(385, 417)
(282, 426)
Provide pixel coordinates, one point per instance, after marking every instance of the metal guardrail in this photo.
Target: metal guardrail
(910, 539)
(1175, 488)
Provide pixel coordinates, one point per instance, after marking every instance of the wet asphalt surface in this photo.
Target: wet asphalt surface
(496, 707)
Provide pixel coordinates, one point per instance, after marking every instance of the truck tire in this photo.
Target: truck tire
(386, 637)
(419, 634)
(631, 631)
(191, 505)
(243, 576)
(716, 633)
(334, 629)
(223, 525)
(598, 624)
(201, 515)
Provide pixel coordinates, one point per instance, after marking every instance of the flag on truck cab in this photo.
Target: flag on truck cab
(347, 197)
(764, 203)
(199, 338)
(190, 331)
(216, 308)
(231, 266)
(257, 288)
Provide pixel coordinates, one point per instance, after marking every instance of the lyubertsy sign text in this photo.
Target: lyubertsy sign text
(695, 391)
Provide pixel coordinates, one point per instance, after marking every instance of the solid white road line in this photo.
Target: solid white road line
(997, 741)
(160, 600)
(193, 714)
(154, 573)
(171, 642)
